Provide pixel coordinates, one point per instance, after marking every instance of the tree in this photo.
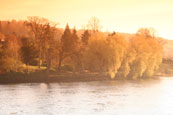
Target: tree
(10, 54)
(29, 51)
(112, 34)
(85, 37)
(70, 46)
(147, 32)
(49, 45)
(94, 24)
(105, 54)
(12, 46)
(75, 38)
(129, 57)
(43, 32)
(95, 56)
(119, 46)
(37, 26)
(155, 58)
(66, 45)
(76, 55)
(147, 59)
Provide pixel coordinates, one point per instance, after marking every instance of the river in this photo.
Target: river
(147, 97)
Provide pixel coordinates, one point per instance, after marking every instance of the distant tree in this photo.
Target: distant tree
(17, 27)
(85, 37)
(112, 34)
(147, 32)
(94, 24)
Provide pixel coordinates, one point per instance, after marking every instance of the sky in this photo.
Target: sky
(115, 15)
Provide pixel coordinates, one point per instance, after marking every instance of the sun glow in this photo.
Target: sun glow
(115, 15)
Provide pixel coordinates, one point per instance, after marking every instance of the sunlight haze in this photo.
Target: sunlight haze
(115, 15)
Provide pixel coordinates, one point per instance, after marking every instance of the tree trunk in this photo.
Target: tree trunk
(48, 61)
(60, 62)
(39, 61)
(27, 65)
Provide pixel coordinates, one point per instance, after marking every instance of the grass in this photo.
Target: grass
(31, 68)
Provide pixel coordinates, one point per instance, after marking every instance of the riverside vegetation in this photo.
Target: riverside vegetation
(36, 50)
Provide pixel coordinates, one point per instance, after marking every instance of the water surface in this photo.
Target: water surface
(148, 97)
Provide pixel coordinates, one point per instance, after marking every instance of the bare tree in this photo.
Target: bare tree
(94, 24)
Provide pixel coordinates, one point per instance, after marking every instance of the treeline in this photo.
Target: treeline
(94, 51)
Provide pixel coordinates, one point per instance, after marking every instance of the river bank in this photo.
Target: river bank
(38, 76)
(46, 78)
(60, 77)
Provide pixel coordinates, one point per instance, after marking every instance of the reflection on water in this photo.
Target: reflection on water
(151, 97)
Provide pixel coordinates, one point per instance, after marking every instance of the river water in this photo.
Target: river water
(147, 97)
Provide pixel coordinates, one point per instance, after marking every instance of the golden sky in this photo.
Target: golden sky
(118, 15)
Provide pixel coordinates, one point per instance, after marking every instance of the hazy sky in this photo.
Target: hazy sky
(118, 15)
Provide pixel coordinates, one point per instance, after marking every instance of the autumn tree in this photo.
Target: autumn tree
(128, 58)
(105, 54)
(37, 26)
(119, 49)
(43, 32)
(147, 59)
(10, 56)
(155, 58)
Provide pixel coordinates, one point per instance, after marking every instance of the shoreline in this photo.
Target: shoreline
(52, 78)
(58, 78)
